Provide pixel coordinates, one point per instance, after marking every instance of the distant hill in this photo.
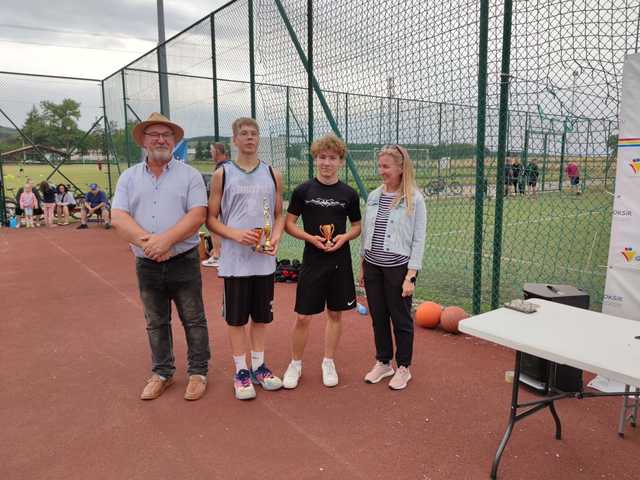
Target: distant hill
(6, 132)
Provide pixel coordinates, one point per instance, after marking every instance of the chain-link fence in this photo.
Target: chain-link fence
(496, 169)
(52, 129)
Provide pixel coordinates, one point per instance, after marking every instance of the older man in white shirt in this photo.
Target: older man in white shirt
(159, 206)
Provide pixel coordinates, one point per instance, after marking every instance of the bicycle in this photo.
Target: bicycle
(441, 186)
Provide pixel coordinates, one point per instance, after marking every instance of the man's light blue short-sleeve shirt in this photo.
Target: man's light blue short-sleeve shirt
(157, 204)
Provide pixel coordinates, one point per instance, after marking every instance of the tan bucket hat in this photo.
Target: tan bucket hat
(154, 119)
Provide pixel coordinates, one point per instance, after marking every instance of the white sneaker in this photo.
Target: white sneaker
(378, 372)
(329, 374)
(291, 377)
(210, 262)
(400, 379)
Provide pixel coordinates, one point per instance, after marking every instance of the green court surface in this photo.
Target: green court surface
(553, 238)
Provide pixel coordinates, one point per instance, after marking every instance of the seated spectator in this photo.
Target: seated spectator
(95, 201)
(64, 201)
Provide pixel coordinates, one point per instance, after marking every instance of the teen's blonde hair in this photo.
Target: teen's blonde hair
(241, 122)
(329, 142)
(400, 156)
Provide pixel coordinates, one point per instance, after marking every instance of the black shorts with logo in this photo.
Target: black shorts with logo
(325, 283)
(246, 297)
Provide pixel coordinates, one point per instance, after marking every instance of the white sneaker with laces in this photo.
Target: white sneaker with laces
(291, 377)
(378, 372)
(400, 379)
(210, 262)
(329, 374)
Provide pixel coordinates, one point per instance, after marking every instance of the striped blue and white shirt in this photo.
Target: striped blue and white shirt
(377, 255)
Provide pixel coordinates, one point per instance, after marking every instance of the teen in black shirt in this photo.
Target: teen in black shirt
(326, 276)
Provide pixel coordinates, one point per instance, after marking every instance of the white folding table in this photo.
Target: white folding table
(591, 341)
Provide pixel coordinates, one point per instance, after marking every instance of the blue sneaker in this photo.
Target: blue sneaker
(265, 378)
(243, 386)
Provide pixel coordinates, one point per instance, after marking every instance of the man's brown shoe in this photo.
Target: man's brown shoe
(156, 385)
(196, 387)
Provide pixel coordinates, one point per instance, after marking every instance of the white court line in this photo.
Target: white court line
(94, 273)
(527, 222)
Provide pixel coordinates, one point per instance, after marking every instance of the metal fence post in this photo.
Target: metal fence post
(127, 144)
(563, 143)
(583, 186)
(502, 147)
(214, 71)
(346, 133)
(397, 120)
(545, 152)
(310, 82)
(525, 152)
(609, 153)
(440, 120)
(104, 115)
(288, 134)
(480, 151)
(3, 212)
(252, 65)
(163, 79)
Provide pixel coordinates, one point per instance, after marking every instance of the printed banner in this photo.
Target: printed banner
(622, 287)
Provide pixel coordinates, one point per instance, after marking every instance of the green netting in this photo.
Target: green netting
(407, 72)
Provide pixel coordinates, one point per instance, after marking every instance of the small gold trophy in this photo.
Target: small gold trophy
(327, 232)
(267, 247)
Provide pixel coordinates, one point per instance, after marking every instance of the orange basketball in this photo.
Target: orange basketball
(451, 316)
(428, 314)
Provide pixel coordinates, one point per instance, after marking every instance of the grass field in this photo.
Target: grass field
(554, 238)
(557, 237)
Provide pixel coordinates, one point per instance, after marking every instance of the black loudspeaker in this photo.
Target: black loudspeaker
(536, 372)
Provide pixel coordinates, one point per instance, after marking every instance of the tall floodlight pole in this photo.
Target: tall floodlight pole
(162, 63)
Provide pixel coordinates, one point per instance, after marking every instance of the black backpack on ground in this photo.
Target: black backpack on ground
(287, 271)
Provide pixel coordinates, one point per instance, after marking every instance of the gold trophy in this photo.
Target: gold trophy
(327, 232)
(267, 247)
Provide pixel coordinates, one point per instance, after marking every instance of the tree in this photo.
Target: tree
(35, 127)
(62, 122)
(55, 124)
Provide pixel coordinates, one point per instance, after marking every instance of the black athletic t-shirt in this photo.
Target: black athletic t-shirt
(320, 204)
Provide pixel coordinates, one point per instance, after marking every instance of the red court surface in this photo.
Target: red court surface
(74, 358)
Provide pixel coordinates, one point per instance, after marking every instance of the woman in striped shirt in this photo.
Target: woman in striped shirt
(394, 228)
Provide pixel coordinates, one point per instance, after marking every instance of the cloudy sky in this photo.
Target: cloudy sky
(88, 38)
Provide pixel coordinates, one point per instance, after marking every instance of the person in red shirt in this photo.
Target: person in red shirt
(573, 172)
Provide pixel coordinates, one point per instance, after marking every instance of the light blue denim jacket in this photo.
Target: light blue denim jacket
(405, 233)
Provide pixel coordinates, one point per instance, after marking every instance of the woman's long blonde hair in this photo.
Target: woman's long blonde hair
(401, 157)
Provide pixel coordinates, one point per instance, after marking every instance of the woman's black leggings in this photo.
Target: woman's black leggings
(388, 307)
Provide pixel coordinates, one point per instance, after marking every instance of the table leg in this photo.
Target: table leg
(634, 419)
(531, 408)
(623, 412)
(556, 419)
(629, 405)
(512, 416)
